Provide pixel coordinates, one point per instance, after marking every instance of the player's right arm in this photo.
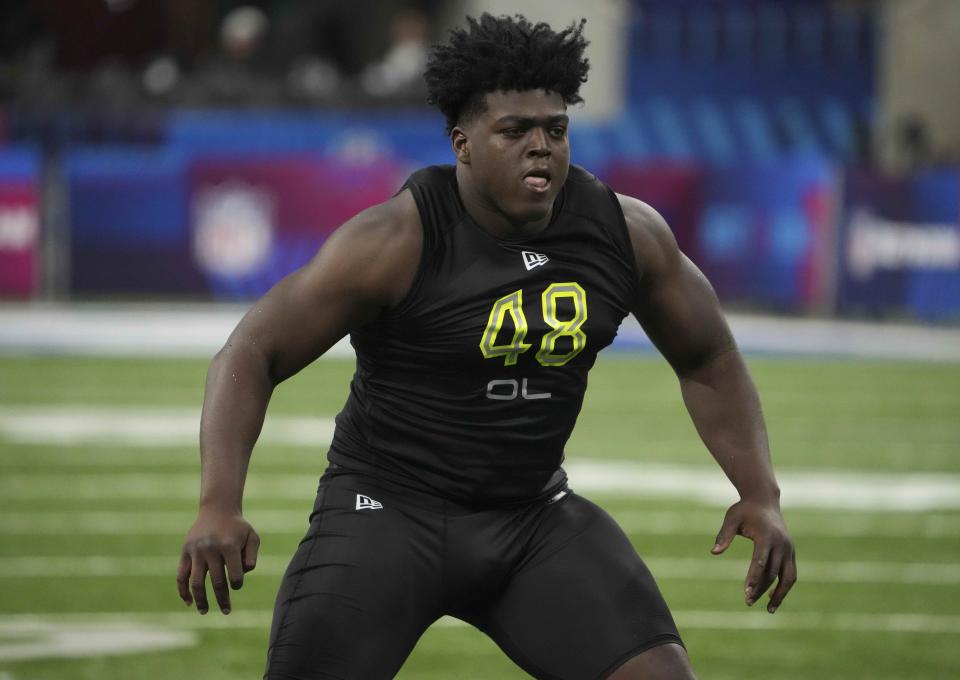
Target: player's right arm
(365, 267)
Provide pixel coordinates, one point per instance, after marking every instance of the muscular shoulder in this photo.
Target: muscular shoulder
(378, 250)
(384, 235)
(654, 245)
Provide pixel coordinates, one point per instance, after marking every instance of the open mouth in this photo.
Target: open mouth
(537, 180)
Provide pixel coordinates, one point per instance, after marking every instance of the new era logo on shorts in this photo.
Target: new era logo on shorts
(531, 259)
(367, 503)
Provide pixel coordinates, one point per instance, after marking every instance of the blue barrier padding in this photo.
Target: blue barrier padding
(20, 162)
(416, 138)
(110, 161)
(124, 195)
(716, 132)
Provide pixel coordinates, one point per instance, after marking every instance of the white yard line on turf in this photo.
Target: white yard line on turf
(53, 639)
(137, 522)
(72, 635)
(118, 426)
(826, 489)
(664, 568)
(839, 489)
(839, 621)
(141, 330)
(113, 426)
(686, 619)
(850, 524)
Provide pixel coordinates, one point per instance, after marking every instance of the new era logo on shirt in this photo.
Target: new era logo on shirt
(531, 260)
(367, 503)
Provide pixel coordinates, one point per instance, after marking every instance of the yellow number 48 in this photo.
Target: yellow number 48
(512, 305)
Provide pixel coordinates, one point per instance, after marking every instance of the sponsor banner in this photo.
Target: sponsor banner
(254, 219)
(761, 233)
(19, 224)
(228, 226)
(899, 245)
(766, 231)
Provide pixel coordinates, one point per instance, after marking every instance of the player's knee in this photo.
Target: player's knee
(664, 662)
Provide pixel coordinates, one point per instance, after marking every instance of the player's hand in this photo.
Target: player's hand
(217, 541)
(774, 556)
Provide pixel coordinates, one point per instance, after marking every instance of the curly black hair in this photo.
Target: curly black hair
(504, 53)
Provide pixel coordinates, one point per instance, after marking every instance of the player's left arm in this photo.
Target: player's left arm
(679, 311)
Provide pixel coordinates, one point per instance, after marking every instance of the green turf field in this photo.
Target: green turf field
(91, 525)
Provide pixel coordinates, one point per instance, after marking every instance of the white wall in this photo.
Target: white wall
(606, 30)
(920, 72)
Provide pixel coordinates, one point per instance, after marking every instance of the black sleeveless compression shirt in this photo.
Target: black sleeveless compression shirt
(471, 386)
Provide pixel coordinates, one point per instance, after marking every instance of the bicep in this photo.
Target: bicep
(297, 320)
(354, 276)
(680, 313)
(676, 305)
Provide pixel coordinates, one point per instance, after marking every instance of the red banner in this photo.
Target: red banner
(19, 239)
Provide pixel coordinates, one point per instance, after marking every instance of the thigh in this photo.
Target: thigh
(360, 590)
(582, 602)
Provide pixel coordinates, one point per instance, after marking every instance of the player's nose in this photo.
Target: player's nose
(539, 144)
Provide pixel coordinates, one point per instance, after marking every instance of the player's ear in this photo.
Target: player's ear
(461, 145)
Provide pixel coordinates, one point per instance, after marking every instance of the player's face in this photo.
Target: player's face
(518, 152)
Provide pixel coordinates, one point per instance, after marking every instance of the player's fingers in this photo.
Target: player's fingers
(218, 581)
(198, 574)
(758, 564)
(250, 549)
(234, 564)
(183, 576)
(728, 530)
(788, 576)
(774, 562)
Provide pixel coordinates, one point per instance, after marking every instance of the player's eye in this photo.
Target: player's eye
(558, 131)
(512, 132)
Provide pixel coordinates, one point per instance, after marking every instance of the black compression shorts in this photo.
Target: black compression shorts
(555, 584)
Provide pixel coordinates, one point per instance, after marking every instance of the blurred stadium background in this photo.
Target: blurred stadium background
(164, 162)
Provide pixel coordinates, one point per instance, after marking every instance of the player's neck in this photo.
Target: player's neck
(490, 217)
